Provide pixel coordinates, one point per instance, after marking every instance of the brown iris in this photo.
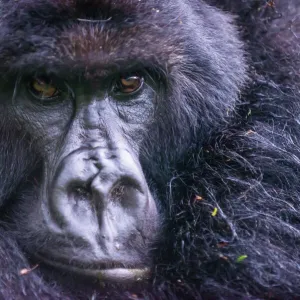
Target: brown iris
(130, 84)
(43, 87)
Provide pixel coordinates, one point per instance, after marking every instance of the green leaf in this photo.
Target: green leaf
(241, 258)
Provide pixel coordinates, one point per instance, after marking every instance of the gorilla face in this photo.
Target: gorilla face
(91, 210)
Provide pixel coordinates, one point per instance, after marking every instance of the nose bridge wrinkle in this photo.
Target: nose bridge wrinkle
(91, 116)
(98, 124)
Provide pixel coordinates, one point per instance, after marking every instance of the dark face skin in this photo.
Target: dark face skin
(92, 212)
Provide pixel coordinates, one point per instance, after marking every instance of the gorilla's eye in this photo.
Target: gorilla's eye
(43, 88)
(129, 84)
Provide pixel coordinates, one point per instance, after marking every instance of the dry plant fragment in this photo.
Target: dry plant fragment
(27, 271)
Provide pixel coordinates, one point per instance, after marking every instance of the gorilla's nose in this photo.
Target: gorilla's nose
(100, 201)
(93, 184)
(105, 187)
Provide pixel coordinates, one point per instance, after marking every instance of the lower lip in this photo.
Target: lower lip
(116, 275)
(121, 275)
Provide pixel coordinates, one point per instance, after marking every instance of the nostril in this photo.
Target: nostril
(80, 192)
(117, 192)
(127, 191)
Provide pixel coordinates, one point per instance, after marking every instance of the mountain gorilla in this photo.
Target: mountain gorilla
(149, 149)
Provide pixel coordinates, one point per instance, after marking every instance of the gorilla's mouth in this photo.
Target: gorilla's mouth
(112, 272)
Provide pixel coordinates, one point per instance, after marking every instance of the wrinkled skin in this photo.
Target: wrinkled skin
(149, 149)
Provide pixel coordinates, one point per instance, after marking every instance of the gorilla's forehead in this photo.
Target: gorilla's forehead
(88, 34)
(108, 45)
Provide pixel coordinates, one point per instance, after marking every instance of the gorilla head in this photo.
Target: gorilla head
(91, 95)
(114, 116)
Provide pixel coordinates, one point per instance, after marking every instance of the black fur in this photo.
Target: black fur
(223, 160)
